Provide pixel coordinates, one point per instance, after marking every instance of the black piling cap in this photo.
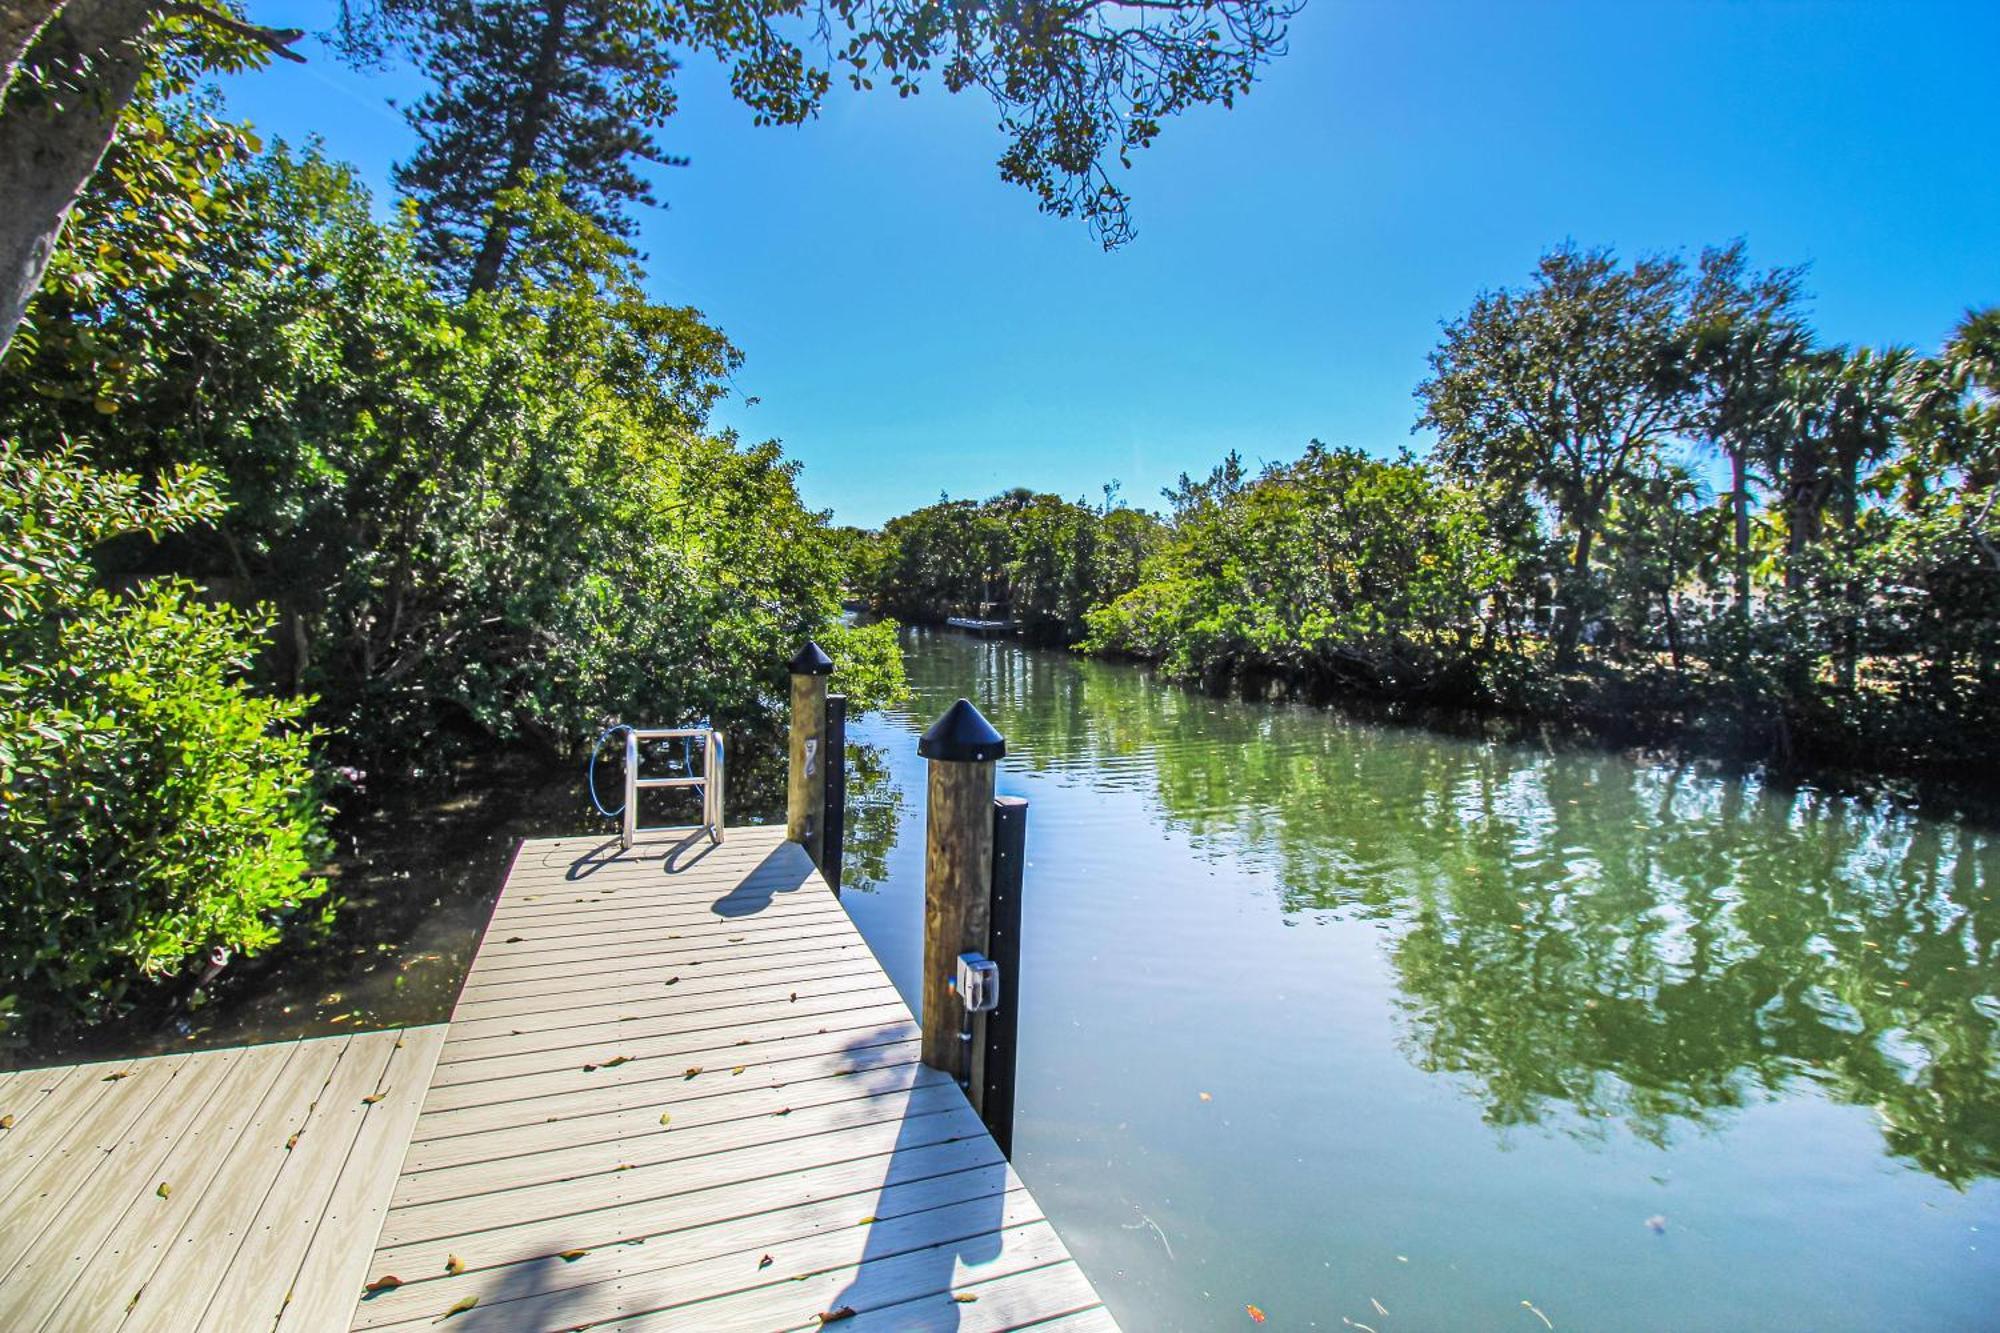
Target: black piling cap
(811, 661)
(962, 735)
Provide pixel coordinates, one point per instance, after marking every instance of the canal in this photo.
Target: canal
(1366, 1026)
(1363, 1025)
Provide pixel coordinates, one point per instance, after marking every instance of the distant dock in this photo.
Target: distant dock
(984, 628)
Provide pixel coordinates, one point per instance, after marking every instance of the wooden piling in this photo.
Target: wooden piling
(958, 878)
(805, 788)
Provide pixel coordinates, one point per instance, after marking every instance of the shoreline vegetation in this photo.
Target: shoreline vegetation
(394, 485)
(1659, 514)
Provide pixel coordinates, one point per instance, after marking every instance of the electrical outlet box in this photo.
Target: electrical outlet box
(978, 983)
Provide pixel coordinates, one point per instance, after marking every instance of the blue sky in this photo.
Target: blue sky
(912, 325)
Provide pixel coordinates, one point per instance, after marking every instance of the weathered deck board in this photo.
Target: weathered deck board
(170, 1193)
(679, 1093)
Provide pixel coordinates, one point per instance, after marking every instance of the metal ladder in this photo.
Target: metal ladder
(709, 780)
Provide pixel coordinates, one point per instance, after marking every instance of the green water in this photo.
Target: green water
(1489, 1035)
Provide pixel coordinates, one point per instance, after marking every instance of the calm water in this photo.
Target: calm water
(1337, 1019)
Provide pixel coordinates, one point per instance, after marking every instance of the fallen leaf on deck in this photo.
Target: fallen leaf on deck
(666, 1118)
(113, 1078)
(795, 997)
(291, 1143)
(765, 1262)
(964, 1297)
(513, 939)
(454, 1265)
(387, 1282)
(736, 939)
(673, 981)
(693, 1070)
(374, 1097)
(459, 1308)
(164, 1190)
(739, 1069)
(866, 1220)
(835, 1316)
(571, 1256)
(1256, 1315)
(6, 1122)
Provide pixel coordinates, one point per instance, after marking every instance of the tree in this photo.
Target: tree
(1746, 334)
(1079, 86)
(1567, 388)
(495, 517)
(68, 73)
(156, 807)
(568, 91)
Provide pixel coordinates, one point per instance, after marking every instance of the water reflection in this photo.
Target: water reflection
(1577, 940)
(874, 810)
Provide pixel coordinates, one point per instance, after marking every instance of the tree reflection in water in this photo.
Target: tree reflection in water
(1581, 939)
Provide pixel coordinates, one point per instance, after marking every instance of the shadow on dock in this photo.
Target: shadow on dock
(896, 1266)
(775, 874)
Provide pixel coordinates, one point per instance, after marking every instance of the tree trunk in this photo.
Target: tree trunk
(1739, 505)
(52, 138)
(1570, 627)
(21, 21)
(528, 131)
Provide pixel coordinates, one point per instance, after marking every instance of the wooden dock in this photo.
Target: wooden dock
(677, 1092)
(220, 1190)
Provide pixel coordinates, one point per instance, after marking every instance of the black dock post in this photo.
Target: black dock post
(1003, 946)
(833, 826)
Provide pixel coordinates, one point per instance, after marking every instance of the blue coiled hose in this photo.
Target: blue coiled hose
(590, 773)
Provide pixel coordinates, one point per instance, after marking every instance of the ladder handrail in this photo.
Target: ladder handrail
(710, 781)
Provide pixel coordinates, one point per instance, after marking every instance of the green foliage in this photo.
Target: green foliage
(152, 807)
(568, 92)
(1038, 560)
(1337, 567)
(1078, 89)
(1567, 551)
(474, 518)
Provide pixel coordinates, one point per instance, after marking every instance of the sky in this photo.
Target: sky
(913, 327)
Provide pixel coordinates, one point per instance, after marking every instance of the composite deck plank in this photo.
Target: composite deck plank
(59, 1248)
(661, 1088)
(58, 1167)
(124, 1262)
(335, 1264)
(777, 1232)
(677, 1092)
(701, 991)
(663, 1113)
(195, 1260)
(873, 1284)
(659, 1145)
(724, 990)
(1040, 1298)
(593, 1043)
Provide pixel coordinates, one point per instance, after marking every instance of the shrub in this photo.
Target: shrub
(151, 806)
